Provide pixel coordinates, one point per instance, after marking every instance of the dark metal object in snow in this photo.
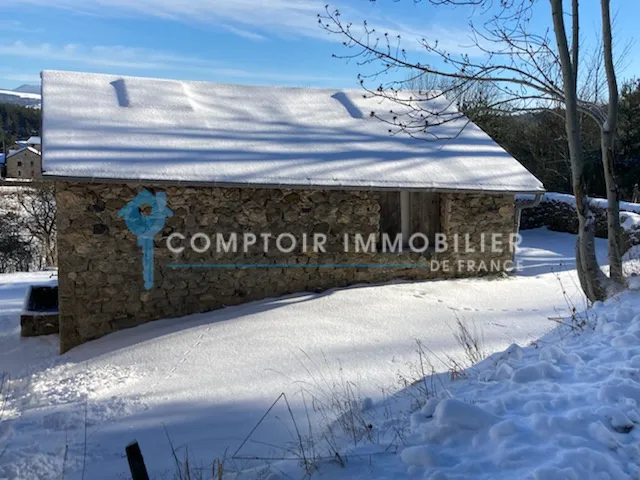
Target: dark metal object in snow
(136, 462)
(40, 315)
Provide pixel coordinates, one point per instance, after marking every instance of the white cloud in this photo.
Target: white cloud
(12, 76)
(7, 25)
(106, 56)
(243, 33)
(257, 19)
(140, 60)
(250, 18)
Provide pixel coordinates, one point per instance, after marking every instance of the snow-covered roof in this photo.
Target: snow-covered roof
(112, 127)
(20, 150)
(33, 141)
(15, 151)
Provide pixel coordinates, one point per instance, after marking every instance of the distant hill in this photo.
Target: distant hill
(25, 95)
(28, 89)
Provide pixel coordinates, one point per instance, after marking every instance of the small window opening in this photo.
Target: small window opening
(405, 214)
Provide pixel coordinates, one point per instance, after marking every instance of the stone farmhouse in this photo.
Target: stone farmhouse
(24, 163)
(155, 177)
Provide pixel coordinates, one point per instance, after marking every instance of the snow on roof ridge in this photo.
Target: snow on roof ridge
(204, 82)
(15, 152)
(190, 131)
(22, 149)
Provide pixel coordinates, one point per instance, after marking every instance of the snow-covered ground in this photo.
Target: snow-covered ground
(566, 408)
(205, 381)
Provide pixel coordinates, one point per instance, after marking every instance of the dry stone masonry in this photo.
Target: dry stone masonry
(558, 213)
(100, 263)
(561, 216)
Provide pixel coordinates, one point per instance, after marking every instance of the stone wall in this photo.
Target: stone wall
(100, 263)
(560, 216)
(465, 214)
(558, 213)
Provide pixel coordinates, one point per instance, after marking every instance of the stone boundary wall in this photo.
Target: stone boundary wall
(558, 213)
(560, 216)
(100, 263)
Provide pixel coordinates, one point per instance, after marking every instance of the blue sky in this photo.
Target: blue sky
(239, 41)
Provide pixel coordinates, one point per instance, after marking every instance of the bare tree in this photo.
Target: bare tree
(39, 206)
(531, 71)
(464, 94)
(16, 252)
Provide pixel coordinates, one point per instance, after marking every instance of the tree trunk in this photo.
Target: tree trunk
(614, 230)
(608, 144)
(592, 278)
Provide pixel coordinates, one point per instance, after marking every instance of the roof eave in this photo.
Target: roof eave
(195, 183)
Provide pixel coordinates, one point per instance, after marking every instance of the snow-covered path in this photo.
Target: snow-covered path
(209, 378)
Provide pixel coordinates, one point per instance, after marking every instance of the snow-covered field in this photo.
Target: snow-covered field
(206, 380)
